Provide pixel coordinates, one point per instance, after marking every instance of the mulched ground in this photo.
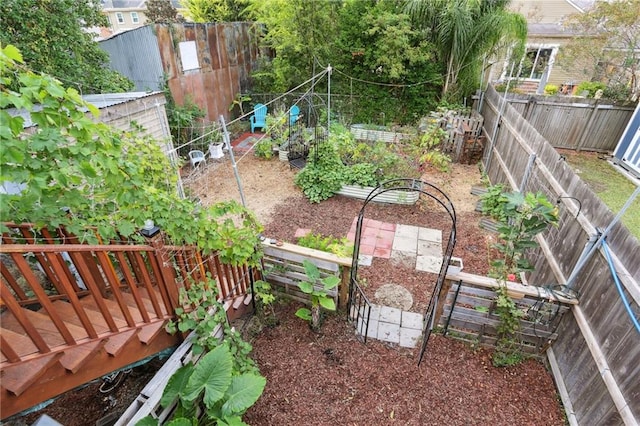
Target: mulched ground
(333, 378)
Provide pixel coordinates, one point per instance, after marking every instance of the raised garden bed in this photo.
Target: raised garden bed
(395, 196)
(362, 132)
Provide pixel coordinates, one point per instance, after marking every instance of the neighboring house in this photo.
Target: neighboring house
(125, 15)
(546, 36)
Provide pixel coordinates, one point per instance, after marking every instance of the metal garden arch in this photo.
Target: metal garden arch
(359, 307)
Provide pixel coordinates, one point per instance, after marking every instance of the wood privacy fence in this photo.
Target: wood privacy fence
(595, 359)
(573, 123)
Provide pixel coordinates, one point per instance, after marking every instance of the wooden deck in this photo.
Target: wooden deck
(71, 313)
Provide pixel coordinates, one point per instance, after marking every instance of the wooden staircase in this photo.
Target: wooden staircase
(71, 313)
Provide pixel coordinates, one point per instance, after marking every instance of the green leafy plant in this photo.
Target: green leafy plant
(226, 396)
(521, 218)
(507, 350)
(203, 313)
(525, 216)
(111, 181)
(322, 176)
(428, 148)
(264, 149)
(264, 298)
(239, 101)
(591, 87)
(551, 89)
(338, 246)
(317, 289)
(493, 202)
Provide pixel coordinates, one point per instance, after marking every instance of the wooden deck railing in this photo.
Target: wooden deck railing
(62, 301)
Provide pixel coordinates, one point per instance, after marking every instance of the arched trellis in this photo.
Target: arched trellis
(305, 133)
(359, 308)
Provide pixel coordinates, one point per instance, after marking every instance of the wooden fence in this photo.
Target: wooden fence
(573, 123)
(282, 268)
(595, 358)
(468, 312)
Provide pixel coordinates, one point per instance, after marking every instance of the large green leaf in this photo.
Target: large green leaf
(330, 282)
(327, 303)
(176, 385)
(147, 421)
(212, 375)
(306, 287)
(182, 422)
(243, 392)
(311, 270)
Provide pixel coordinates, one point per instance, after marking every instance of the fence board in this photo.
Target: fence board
(573, 123)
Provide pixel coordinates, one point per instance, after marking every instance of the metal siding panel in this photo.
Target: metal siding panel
(135, 54)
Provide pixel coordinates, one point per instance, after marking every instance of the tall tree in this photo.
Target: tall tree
(464, 31)
(390, 63)
(606, 46)
(53, 37)
(162, 12)
(215, 10)
(300, 33)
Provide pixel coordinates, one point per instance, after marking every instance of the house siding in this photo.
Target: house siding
(543, 11)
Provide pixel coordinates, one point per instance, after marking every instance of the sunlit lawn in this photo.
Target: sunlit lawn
(611, 186)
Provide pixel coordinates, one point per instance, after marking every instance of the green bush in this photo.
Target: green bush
(264, 149)
(591, 87)
(551, 89)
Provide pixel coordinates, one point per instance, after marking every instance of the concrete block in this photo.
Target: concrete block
(411, 320)
(409, 337)
(429, 264)
(429, 234)
(388, 332)
(390, 315)
(429, 248)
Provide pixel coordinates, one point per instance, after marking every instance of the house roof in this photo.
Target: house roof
(100, 100)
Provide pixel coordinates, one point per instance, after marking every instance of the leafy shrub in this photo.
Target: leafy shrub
(363, 174)
(322, 177)
(493, 202)
(591, 87)
(264, 149)
(551, 89)
(428, 148)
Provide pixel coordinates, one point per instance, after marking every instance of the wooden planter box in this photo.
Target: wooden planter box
(390, 197)
(361, 133)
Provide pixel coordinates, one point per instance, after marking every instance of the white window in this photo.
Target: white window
(534, 62)
(134, 17)
(120, 18)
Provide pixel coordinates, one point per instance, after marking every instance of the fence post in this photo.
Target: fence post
(343, 295)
